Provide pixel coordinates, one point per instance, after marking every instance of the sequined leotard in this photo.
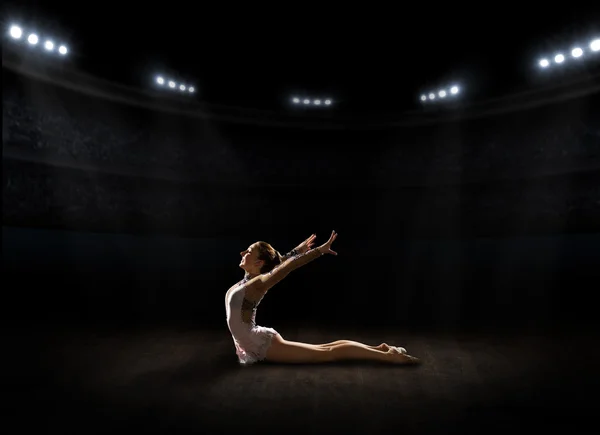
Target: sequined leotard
(251, 341)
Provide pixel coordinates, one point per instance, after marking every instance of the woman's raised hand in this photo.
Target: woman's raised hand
(306, 245)
(326, 247)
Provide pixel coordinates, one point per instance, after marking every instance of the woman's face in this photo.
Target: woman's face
(250, 262)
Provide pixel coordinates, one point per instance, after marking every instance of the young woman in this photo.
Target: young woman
(264, 267)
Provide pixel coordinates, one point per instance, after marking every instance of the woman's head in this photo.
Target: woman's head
(260, 257)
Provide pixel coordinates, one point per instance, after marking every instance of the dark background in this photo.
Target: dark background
(131, 204)
(120, 215)
(469, 231)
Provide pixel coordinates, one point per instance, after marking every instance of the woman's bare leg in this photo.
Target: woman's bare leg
(383, 346)
(284, 351)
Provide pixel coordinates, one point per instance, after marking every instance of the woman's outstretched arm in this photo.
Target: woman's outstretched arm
(281, 271)
(268, 280)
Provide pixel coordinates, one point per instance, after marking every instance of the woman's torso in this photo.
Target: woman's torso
(241, 308)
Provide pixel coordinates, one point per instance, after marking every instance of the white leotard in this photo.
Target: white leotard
(251, 341)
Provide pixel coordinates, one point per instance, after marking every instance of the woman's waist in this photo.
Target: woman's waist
(240, 325)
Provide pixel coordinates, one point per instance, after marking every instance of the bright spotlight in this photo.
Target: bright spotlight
(595, 45)
(16, 32)
(442, 94)
(559, 58)
(171, 84)
(544, 63)
(160, 80)
(327, 102)
(32, 39)
(454, 90)
(432, 96)
(181, 87)
(317, 102)
(423, 97)
(62, 50)
(307, 101)
(296, 100)
(49, 45)
(191, 89)
(576, 52)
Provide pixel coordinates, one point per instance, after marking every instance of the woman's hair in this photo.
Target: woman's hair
(269, 255)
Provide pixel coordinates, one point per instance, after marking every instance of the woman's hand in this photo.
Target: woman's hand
(306, 245)
(326, 247)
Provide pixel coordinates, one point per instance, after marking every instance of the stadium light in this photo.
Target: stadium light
(442, 94)
(577, 52)
(172, 84)
(308, 102)
(16, 33)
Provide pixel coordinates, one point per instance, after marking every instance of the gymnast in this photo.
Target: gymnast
(264, 267)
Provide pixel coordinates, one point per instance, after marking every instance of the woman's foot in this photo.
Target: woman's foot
(403, 358)
(386, 348)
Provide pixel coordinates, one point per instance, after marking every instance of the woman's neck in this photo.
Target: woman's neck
(248, 275)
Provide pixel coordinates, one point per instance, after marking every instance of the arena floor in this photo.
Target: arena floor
(188, 381)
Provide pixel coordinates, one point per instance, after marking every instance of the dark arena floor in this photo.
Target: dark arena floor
(188, 381)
